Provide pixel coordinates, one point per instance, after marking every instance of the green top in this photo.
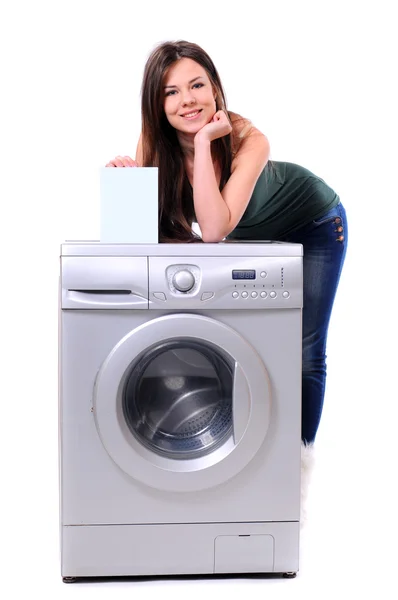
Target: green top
(285, 198)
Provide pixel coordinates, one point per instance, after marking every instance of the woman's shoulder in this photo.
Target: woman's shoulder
(242, 127)
(247, 139)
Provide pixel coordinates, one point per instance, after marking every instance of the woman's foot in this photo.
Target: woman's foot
(307, 467)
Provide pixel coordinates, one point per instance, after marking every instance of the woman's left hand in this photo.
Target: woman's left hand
(218, 127)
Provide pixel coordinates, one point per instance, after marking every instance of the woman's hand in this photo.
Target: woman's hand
(218, 127)
(122, 161)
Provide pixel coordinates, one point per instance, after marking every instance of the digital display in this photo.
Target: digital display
(247, 274)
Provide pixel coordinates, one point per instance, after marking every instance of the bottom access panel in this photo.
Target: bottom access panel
(202, 548)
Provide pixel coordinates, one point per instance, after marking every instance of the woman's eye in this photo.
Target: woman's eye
(173, 92)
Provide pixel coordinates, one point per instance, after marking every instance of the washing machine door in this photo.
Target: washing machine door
(182, 403)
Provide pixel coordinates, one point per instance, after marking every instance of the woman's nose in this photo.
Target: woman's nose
(188, 97)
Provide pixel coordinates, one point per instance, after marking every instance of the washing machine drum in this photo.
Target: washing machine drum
(177, 399)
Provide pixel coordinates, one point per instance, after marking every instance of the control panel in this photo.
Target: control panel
(225, 282)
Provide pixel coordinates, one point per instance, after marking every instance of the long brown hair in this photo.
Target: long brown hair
(160, 144)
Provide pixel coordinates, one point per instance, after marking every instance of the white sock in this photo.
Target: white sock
(307, 467)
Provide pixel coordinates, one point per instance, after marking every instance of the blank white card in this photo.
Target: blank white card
(129, 205)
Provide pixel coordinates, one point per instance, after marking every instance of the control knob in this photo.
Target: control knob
(183, 281)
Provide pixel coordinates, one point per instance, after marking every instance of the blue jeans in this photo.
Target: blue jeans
(325, 243)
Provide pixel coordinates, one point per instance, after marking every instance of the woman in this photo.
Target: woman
(214, 169)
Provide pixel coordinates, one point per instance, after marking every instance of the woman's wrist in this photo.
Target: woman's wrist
(201, 140)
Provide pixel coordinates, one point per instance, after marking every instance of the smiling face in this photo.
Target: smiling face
(189, 97)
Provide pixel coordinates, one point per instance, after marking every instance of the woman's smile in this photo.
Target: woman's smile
(192, 115)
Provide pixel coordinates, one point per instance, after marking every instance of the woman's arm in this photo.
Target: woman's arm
(219, 213)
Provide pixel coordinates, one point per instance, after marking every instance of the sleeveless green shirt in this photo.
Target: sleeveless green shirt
(286, 197)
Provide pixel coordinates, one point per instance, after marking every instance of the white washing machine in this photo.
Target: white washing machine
(180, 408)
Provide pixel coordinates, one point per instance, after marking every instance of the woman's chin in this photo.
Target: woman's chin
(191, 129)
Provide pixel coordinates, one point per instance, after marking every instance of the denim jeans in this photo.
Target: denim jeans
(325, 243)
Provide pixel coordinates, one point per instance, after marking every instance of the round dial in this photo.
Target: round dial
(183, 281)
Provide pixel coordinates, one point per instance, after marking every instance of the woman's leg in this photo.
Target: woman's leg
(325, 244)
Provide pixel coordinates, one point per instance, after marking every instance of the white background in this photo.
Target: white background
(318, 78)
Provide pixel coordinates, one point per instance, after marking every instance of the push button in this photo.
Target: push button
(272, 294)
(263, 294)
(235, 294)
(159, 295)
(254, 294)
(244, 294)
(286, 294)
(207, 295)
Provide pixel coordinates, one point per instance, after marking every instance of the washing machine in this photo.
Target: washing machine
(180, 408)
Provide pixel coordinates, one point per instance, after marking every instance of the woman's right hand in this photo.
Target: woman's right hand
(122, 161)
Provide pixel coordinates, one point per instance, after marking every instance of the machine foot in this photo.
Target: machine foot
(69, 579)
(289, 575)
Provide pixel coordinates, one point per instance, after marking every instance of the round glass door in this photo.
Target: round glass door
(177, 399)
(182, 402)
